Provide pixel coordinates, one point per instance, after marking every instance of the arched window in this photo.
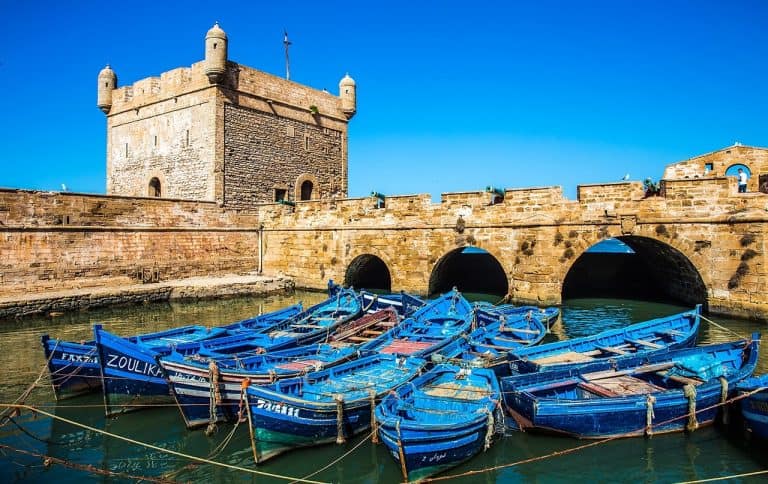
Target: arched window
(306, 190)
(154, 187)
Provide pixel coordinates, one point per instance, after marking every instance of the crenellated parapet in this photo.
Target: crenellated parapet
(221, 131)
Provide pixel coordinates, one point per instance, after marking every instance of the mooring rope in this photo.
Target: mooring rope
(8, 412)
(154, 447)
(690, 393)
(724, 397)
(339, 418)
(591, 444)
(649, 414)
(48, 460)
(374, 424)
(721, 326)
(337, 460)
(723, 478)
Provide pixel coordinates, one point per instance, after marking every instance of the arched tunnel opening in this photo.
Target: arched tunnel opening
(639, 268)
(471, 270)
(368, 272)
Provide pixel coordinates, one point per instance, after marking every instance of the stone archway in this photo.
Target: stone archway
(652, 271)
(368, 271)
(470, 270)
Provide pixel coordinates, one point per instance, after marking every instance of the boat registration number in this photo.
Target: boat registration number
(280, 408)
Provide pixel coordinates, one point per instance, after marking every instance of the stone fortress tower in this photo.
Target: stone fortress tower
(220, 131)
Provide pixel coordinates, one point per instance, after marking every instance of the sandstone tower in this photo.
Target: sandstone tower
(220, 131)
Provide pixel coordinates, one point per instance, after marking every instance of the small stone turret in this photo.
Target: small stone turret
(107, 83)
(348, 96)
(215, 54)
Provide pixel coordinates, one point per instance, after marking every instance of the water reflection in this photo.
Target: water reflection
(706, 453)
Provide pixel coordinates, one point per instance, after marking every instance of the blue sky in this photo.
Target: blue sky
(452, 96)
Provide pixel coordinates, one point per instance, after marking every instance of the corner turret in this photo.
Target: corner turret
(348, 96)
(215, 54)
(107, 83)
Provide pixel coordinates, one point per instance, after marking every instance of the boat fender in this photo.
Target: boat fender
(649, 415)
(339, 418)
(489, 431)
(690, 393)
(724, 398)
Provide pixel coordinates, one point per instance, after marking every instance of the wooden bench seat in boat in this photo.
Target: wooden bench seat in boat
(520, 330)
(565, 357)
(612, 349)
(456, 390)
(680, 379)
(645, 343)
(625, 385)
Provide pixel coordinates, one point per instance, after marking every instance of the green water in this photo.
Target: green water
(708, 452)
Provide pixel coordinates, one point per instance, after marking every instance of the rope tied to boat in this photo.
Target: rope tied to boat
(214, 398)
(213, 368)
(649, 415)
(400, 451)
(272, 375)
(339, 418)
(489, 430)
(724, 398)
(690, 393)
(374, 424)
(370, 305)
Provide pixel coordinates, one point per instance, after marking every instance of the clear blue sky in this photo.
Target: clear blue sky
(452, 96)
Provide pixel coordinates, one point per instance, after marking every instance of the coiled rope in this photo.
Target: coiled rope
(374, 424)
(339, 418)
(154, 447)
(649, 415)
(214, 399)
(724, 397)
(690, 393)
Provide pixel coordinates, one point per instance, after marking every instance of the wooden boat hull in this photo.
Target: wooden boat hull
(429, 330)
(569, 402)
(190, 381)
(754, 408)
(284, 417)
(438, 421)
(73, 367)
(671, 332)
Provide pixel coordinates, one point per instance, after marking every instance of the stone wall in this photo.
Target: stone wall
(716, 163)
(232, 143)
(58, 241)
(265, 152)
(700, 239)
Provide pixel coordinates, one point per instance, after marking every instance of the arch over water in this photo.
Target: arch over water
(471, 270)
(650, 270)
(368, 271)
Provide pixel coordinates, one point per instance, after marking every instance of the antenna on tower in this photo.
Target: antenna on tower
(287, 43)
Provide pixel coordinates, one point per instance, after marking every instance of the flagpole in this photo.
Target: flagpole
(286, 42)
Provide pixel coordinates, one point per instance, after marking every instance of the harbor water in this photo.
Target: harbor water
(709, 452)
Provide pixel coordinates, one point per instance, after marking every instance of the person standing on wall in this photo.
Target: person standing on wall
(742, 181)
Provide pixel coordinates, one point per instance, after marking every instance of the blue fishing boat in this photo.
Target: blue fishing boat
(74, 366)
(440, 419)
(132, 378)
(403, 302)
(325, 406)
(675, 331)
(206, 388)
(190, 377)
(428, 330)
(754, 407)
(499, 331)
(666, 391)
